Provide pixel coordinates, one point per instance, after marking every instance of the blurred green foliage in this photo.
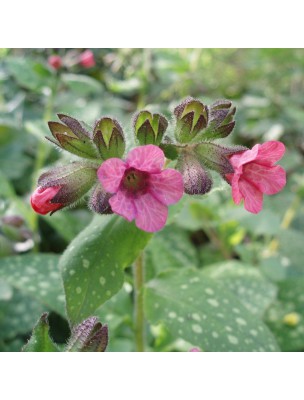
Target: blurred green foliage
(258, 259)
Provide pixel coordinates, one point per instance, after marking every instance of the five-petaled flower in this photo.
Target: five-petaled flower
(141, 189)
(42, 197)
(255, 174)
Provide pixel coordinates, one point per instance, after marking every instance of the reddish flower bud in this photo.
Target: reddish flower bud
(86, 59)
(55, 61)
(42, 197)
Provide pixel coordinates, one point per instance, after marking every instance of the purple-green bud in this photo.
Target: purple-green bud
(89, 336)
(13, 220)
(191, 118)
(216, 157)
(196, 179)
(99, 200)
(109, 138)
(149, 128)
(74, 181)
(220, 121)
(73, 136)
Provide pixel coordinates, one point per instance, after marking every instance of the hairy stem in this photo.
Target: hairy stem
(139, 322)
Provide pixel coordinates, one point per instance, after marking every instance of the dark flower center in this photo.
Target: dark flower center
(135, 181)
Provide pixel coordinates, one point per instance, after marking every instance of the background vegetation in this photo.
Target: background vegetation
(258, 258)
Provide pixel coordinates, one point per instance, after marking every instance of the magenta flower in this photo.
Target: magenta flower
(142, 190)
(255, 174)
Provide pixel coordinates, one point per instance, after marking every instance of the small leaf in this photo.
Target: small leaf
(92, 266)
(40, 340)
(203, 312)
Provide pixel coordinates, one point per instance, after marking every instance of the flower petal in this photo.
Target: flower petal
(110, 174)
(244, 157)
(270, 152)
(123, 205)
(269, 180)
(151, 214)
(167, 187)
(148, 158)
(253, 198)
(236, 194)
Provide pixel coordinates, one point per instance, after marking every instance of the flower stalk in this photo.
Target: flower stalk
(139, 318)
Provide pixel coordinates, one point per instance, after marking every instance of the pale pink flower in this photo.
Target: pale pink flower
(87, 59)
(255, 174)
(142, 190)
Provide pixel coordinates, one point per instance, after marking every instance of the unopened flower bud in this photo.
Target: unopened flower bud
(220, 120)
(63, 186)
(99, 200)
(13, 220)
(73, 136)
(109, 138)
(89, 336)
(55, 61)
(41, 200)
(196, 179)
(149, 128)
(191, 118)
(86, 59)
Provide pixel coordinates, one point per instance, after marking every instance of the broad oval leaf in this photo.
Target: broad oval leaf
(246, 282)
(36, 275)
(201, 311)
(92, 266)
(285, 317)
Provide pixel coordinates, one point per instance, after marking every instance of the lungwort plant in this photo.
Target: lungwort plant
(131, 192)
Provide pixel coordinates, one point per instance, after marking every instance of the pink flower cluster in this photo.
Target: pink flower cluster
(255, 174)
(86, 59)
(141, 189)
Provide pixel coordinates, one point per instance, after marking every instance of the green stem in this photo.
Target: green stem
(42, 151)
(139, 321)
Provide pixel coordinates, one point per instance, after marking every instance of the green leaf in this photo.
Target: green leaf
(36, 275)
(92, 266)
(170, 248)
(203, 312)
(82, 84)
(40, 340)
(28, 73)
(18, 315)
(69, 222)
(285, 317)
(245, 282)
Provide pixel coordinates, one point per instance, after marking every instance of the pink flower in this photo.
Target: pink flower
(55, 61)
(194, 350)
(255, 174)
(87, 59)
(42, 197)
(142, 190)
